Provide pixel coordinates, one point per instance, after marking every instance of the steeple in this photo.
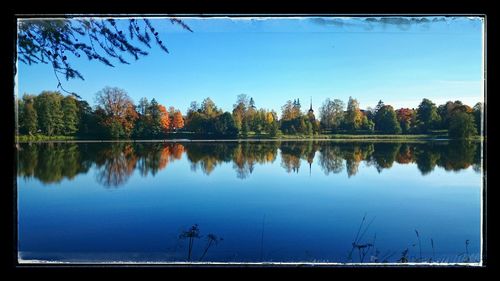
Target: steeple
(311, 108)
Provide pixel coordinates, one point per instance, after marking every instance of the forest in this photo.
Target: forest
(51, 115)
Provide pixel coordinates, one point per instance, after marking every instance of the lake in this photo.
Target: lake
(250, 201)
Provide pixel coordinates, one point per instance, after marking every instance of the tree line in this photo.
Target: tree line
(115, 116)
(460, 120)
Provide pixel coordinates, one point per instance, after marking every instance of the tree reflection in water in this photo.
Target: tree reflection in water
(206, 156)
(115, 165)
(384, 155)
(330, 159)
(115, 162)
(246, 155)
(52, 162)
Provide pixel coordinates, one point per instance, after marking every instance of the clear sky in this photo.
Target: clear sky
(400, 61)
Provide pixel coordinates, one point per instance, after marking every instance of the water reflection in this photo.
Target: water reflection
(52, 162)
(116, 162)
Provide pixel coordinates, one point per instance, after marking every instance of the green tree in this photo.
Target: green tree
(309, 128)
(70, 113)
(275, 129)
(155, 126)
(87, 125)
(316, 127)
(28, 118)
(245, 128)
(49, 112)
(115, 129)
(197, 122)
(143, 124)
(462, 125)
(224, 125)
(376, 116)
(427, 116)
(367, 124)
(251, 116)
(380, 104)
(445, 111)
(302, 128)
(478, 115)
(142, 128)
(387, 121)
(260, 121)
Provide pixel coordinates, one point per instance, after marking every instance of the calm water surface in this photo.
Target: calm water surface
(251, 201)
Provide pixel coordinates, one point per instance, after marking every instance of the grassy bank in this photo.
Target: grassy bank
(374, 137)
(348, 136)
(190, 136)
(25, 138)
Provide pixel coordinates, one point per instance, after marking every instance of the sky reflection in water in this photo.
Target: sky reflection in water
(269, 201)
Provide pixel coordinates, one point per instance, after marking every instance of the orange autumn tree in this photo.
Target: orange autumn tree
(129, 119)
(171, 111)
(164, 118)
(178, 121)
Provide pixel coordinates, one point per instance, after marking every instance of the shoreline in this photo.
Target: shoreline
(250, 140)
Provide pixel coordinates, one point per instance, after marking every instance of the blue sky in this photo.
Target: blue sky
(278, 59)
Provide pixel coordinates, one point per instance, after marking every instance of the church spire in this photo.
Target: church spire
(311, 108)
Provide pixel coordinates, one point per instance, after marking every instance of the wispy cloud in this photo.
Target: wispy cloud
(402, 23)
(340, 22)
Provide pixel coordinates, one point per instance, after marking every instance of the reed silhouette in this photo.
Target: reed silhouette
(194, 233)
(363, 248)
